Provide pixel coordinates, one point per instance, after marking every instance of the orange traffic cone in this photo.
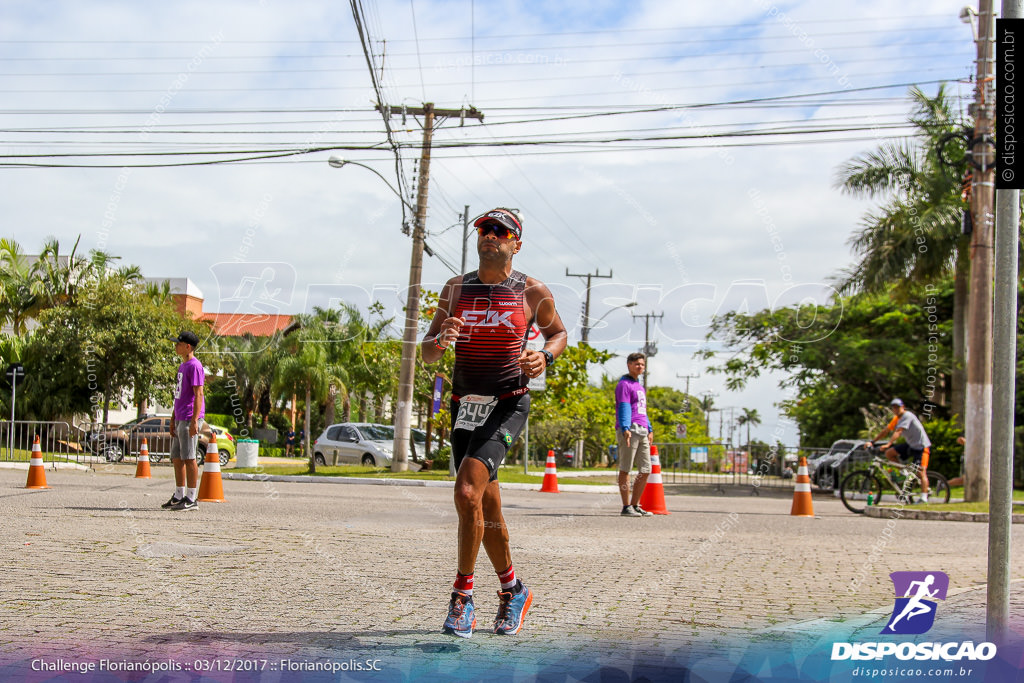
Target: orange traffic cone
(653, 497)
(550, 483)
(211, 487)
(142, 468)
(803, 505)
(36, 470)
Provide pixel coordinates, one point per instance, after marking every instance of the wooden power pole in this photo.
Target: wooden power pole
(407, 371)
(977, 420)
(585, 333)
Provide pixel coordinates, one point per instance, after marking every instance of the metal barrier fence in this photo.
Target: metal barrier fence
(719, 465)
(58, 441)
(86, 444)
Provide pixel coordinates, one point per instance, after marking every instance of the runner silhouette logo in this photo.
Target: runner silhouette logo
(916, 595)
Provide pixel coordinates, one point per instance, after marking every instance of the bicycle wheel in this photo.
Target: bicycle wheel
(855, 489)
(938, 488)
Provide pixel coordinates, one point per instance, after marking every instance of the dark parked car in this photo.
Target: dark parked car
(114, 443)
(828, 470)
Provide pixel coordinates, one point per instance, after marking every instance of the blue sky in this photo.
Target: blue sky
(687, 231)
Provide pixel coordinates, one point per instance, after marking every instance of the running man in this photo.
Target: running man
(916, 443)
(489, 313)
(915, 606)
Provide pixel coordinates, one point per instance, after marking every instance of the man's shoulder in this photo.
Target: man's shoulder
(193, 364)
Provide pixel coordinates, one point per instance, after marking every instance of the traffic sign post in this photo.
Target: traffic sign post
(534, 342)
(15, 371)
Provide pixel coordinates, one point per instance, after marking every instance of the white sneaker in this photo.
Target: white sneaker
(924, 497)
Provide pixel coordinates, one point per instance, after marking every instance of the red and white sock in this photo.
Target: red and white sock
(507, 578)
(464, 583)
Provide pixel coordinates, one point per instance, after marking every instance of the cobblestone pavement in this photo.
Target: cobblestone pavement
(93, 567)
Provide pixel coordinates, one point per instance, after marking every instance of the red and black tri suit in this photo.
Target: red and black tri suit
(487, 363)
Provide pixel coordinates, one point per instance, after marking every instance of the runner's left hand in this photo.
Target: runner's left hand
(532, 363)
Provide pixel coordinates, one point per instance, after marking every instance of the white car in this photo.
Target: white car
(355, 443)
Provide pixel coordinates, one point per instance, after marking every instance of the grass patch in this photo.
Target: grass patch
(506, 475)
(21, 455)
(1018, 508)
(958, 492)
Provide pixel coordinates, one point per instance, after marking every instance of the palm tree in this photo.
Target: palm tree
(306, 368)
(250, 361)
(749, 417)
(30, 286)
(923, 200)
(22, 294)
(707, 404)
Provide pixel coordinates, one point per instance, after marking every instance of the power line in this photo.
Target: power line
(357, 11)
(416, 37)
(617, 31)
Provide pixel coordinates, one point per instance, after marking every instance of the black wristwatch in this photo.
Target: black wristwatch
(549, 357)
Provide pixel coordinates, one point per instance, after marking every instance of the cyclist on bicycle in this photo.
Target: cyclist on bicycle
(915, 445)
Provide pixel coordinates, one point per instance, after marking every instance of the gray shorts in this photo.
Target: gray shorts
(183, 446)
(639, 449)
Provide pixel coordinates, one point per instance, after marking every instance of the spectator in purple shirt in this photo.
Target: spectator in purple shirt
(634, 434)
(186, 422)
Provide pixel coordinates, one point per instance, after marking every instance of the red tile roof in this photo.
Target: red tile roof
(239, 324)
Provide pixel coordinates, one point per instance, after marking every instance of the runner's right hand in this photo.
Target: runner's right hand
(450, 330)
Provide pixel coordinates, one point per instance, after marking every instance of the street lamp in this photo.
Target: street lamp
(613, 308)
(337, 162)
(406, 375)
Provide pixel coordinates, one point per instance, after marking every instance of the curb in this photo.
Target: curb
(935, 515)
(373, 481)
(48, 465)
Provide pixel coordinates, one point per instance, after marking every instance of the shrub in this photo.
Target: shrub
(946, 454)
(441, 458)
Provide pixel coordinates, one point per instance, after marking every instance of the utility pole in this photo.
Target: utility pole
(585, 333)
(687, 399)
(650, 348)
(407, 371)
(977, 421)
(997, 612)
(465, 236)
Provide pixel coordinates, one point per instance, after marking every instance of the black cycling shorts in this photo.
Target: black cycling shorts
(908, 453)
(489, 443)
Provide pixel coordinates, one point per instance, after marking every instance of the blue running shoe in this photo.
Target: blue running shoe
(512, 610)
(461, 616)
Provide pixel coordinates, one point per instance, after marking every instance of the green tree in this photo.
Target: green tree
(915, 237)
(250, 362)
(306, 368)
(749, 417)
(21, 290)
(113, 344)
(570, 407)
(707, 404)
(840, 358)
(667, 408)
(31, 285)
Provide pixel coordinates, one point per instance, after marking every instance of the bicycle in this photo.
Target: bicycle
(902, 479)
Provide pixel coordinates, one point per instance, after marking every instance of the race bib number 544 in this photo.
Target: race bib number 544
(474, 411)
